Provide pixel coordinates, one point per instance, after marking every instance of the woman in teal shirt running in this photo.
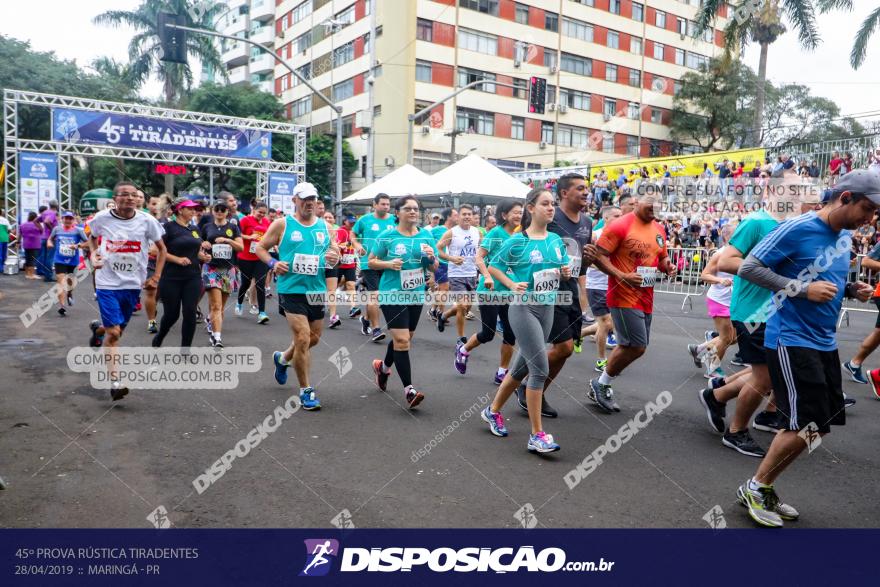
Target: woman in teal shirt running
(404, 253)
(537, 260)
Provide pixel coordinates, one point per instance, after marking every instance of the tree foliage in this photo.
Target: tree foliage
(321, 162)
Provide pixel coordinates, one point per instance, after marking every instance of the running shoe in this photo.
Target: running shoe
(441, 322)
(238, 310)
(254, 311)
(710, 334)
(855, 372)
(432, 314)
(381, 375)
(600, 365)
(208, 326)
(280, 369)
(95, 340)
(717, 382)
(268, 292)
(62, 312)
(541, 442)
(354, 312)
(152, 327)
(715, 410)
(263, 318)
(378, 335)
(547, 411)
(587, 319)
(499, 376)
(767, 422)
(737, 360)
(461, 358)
(716, 373)
(413, 397)
(578, 346)
(874, 379)
(216, 342)
(743, 443)
(365, 326)
(603, 395)
(499, 326)
(309, 400)
(117, 392)
(335, 322)
(610, 341)
(848, 402)
(761, 503)
(137, 308)
(785, 511)
(70, 298)
(469, 315)
(495, 421)
(694, 350)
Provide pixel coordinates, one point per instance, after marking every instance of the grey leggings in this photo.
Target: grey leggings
(531, 324)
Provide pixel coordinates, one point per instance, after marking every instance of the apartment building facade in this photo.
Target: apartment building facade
(612, 68)
(255, 20)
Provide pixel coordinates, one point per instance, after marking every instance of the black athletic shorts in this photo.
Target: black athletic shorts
(750, 339)
(63, 268)
(299, 304)
(399, 316)
(808, 387)
(371, 279)
(566, 321)
(349, 274)
(331, 273)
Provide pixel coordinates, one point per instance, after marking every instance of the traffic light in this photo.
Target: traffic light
(172, 42)
(537, 94)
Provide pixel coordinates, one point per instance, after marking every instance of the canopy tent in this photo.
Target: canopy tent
(400, 182)
(472, 179)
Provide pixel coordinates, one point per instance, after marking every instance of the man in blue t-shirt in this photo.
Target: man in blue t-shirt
(806, 262)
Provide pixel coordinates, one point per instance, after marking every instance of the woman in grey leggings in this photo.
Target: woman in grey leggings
(530, 264)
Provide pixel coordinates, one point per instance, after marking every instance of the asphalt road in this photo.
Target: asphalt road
(71, 458)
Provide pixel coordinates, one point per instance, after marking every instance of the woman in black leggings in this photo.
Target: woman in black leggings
(253, 228)
(181, 282)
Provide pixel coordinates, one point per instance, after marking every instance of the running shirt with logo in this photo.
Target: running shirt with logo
(792, 247)
(721, 294)
(634, 247)
(492, 244)
(437, 232)
(303, 248)
(125, 244)
(463, 244)
(348, 258)
(222, 254)
(749, 301)
(66, 241)
(182, 241)
(537, 262)
(412, 276)
(575, 235)
(251, 226)
(368, 228)
(595, 278)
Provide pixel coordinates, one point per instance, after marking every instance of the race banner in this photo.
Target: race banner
(38, 181)
(141, 132)
(281, 191)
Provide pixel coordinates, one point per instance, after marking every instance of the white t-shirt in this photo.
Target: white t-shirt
(595, 278)
(720, 293)
(464, 244)
(125, 247)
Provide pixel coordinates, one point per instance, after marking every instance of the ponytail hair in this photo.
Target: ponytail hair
(531, 198)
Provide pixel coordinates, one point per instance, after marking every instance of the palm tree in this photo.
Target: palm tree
(869, 25)
(764, 26)
(144, 50)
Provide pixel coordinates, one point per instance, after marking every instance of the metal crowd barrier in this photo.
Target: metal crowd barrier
(857, 272)
(690, 262)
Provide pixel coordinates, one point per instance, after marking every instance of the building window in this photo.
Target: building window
(549, 58)
(563, 137)
(550, 95)
(487, 6)
(423, 71)
(614, 7)
(305, 71)
(613, 40)
(635, 45)
(367, 44)
(696, 61)
(610, 73)
(586, 2)
(302, 11)
(547, 132)
(635, 78)
(658, 50)
(303, 42)
(656, 116)
(285, 83)
(343, 90)
(345, 18)
(676, 87)
(377, 111)
(343, 54)
(638, 11)
(475, 121)
(682, 25)
(609, 108)
(679, 56)
(517, 128)
(468, 76)
(632, 145)
(608, 142)
(479, 42)
(424, 30)
(576, 64)
(654, 148)
(577, 29)
(632, 110)
(551, 21)
(660, 19)
(521, 13)
(574, 99)
(520, 89)
(302, 107)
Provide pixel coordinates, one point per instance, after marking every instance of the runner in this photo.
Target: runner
(597, 297)
(305, 249)
(537, 260)
(363, 236)
(253, 228)
(120, 266)
(220, 278)
(404, 254)
(331, 274)
(800, 338)
(458, 246)
(67, 239)
(448, 219)
(853, 367)
(181, 283)
(632, 252)
(510, 212)
(159, 208)
(347, 267)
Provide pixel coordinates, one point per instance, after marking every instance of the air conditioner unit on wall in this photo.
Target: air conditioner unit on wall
(554, 69)
(426, 130)
(551, 107)
(563, 108)
(542, 145)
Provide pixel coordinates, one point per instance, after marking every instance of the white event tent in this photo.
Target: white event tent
(400, 182)
(474, 180)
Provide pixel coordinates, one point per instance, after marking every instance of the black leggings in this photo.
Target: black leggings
(257, 271)
(489, 317)
(176, 294)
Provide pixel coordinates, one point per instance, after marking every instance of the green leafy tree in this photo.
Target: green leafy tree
(321, 162)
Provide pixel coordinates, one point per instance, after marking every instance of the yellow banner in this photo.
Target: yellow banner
(683, 165)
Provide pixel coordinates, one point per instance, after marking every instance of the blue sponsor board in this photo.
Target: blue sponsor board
(281, 191)
(141, 132)
(37, 181)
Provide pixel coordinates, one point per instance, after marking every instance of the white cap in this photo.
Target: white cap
(304, 191)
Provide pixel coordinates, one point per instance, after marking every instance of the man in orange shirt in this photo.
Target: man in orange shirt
(632, 250)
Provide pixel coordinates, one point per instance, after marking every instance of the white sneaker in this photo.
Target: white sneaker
(254, 310)
(238, 310)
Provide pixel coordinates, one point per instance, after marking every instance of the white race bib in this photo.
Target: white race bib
(412, 278)
(67, 250)
(575, 265)
(222, 251)
(348, 259)
(122, 263)
(305, 264)
(253, 248)
(546, 280)
(649, 275)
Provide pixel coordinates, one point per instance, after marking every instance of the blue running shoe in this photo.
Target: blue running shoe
(542, 442)
(280, 369)
(309, 400)
(263, 319)
(495, 421)
(610, 341)
(855, 373)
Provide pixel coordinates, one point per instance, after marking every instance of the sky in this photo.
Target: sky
(65, 26)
